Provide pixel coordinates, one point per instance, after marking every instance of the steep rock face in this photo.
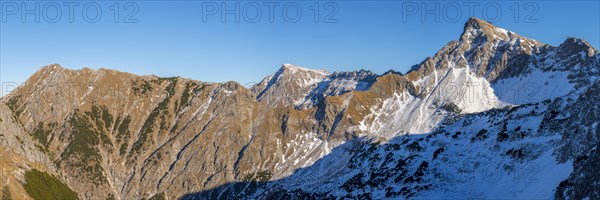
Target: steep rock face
(337, 84)
(19, 153)
(577, 118)
(15, 138)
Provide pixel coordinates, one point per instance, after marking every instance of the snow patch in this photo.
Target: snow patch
(533, 87)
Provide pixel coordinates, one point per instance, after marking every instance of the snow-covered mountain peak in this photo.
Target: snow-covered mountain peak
(293, 69)
(289, 84)
(303, 87)
(477, 32)
(476, 27)
(488, 68)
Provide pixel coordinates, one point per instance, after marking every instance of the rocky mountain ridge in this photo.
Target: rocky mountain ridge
(307, 133)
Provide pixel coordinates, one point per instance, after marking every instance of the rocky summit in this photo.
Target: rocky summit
(491, 115)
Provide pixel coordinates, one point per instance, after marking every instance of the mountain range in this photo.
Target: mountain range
(490, 115)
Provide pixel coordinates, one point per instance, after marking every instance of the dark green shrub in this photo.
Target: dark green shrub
(6, 193)
(451, 107)
(43, 186)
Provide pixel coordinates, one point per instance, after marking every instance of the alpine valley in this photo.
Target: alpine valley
(491, 115)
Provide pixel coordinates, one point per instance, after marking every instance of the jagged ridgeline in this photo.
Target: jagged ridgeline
(491, 115)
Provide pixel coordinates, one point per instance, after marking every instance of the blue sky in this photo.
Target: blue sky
(189, 38)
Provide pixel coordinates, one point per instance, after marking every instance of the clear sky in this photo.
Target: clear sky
(191, 39)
